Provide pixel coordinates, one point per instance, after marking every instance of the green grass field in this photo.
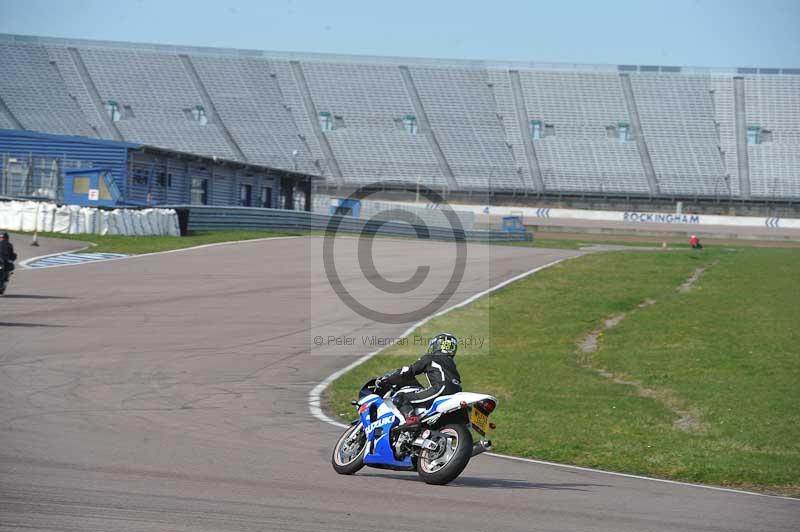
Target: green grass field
(135, 245)
(727, 351)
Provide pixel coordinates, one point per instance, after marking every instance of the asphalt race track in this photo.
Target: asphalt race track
(47, 246)
(169, 392)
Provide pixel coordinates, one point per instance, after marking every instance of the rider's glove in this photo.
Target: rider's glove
(378, 383)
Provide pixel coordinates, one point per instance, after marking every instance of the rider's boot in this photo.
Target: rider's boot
(411, 419)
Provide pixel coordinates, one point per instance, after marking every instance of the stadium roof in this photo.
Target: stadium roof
(312, 56)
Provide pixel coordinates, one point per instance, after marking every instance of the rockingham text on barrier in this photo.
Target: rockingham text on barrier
(661, 218)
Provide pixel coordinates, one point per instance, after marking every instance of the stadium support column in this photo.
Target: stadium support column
(208, 104)
(741, 137)
(522, 121)
(638, 134)
(313, 116)
(425, 126)
(307, 190)
(287, 188)
(5, 111)
(94, 94)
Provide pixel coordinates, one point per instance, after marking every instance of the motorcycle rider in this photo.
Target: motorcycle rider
(439, 367)
(7, 258)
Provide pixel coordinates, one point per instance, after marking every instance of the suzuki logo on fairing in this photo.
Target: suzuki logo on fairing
(379, 423)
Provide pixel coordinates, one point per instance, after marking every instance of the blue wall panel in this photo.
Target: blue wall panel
(100, 153)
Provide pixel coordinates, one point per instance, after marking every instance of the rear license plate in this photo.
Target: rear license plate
(479, 420)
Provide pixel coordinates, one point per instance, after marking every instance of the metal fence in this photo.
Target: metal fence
(204, 218)
(29, 177)
(429, 214)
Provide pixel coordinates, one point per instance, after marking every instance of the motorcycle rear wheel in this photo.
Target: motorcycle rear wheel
(445, 464)
(348, 454)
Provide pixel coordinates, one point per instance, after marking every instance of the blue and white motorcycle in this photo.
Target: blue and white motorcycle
(439, 447)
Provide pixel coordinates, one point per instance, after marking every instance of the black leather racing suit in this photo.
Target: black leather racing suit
(7, 257)
(440, 369)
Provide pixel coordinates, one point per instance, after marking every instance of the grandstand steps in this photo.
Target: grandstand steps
(94, 94)
(208, 104)
(741, 137)
(427, 130)
(638, 134)
(522, 122)
(311, 111)
(9, 117)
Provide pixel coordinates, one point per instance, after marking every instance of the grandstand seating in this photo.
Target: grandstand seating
(461, 125)
(369, 103)
(160, 95)
(34, 93)
(249, 101)
(725, 115)
(463, 115)
(581, 106)
(773, 104)
(678, 125)
(76, 88)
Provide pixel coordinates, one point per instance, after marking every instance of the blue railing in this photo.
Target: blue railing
(206, 218)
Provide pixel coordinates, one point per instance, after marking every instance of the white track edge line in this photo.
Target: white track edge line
(640, 477)
(24, 264)
(314, 400)
(214, 244)
(315, 394)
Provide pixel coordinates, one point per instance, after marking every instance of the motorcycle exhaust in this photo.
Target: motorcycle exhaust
(425, 443)
(481, 447)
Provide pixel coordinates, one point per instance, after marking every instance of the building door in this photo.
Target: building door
(199, 191)
(245, 195)
(266, 197)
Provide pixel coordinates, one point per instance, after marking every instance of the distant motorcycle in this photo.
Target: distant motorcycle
(439, 447)
(6, 270)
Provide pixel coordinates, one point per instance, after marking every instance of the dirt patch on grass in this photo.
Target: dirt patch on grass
(689, 283)
(588, 344)
(689, 419)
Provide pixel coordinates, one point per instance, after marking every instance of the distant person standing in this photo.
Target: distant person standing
(695, 242)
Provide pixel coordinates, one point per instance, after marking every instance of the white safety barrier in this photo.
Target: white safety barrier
(679, 219)
(429, 214)
(72, 219)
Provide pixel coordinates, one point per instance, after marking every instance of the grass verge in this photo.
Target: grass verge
(136, 245)
(725, 350)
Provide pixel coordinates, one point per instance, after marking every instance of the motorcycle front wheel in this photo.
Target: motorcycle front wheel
(444, 464)
(348, 454)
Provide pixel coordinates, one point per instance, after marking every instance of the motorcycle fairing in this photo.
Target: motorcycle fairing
(379, 450)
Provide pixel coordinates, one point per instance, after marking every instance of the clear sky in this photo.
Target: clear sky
(724, 33)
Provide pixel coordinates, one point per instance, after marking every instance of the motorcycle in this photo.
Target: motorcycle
(6, 269)
(438, 447)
